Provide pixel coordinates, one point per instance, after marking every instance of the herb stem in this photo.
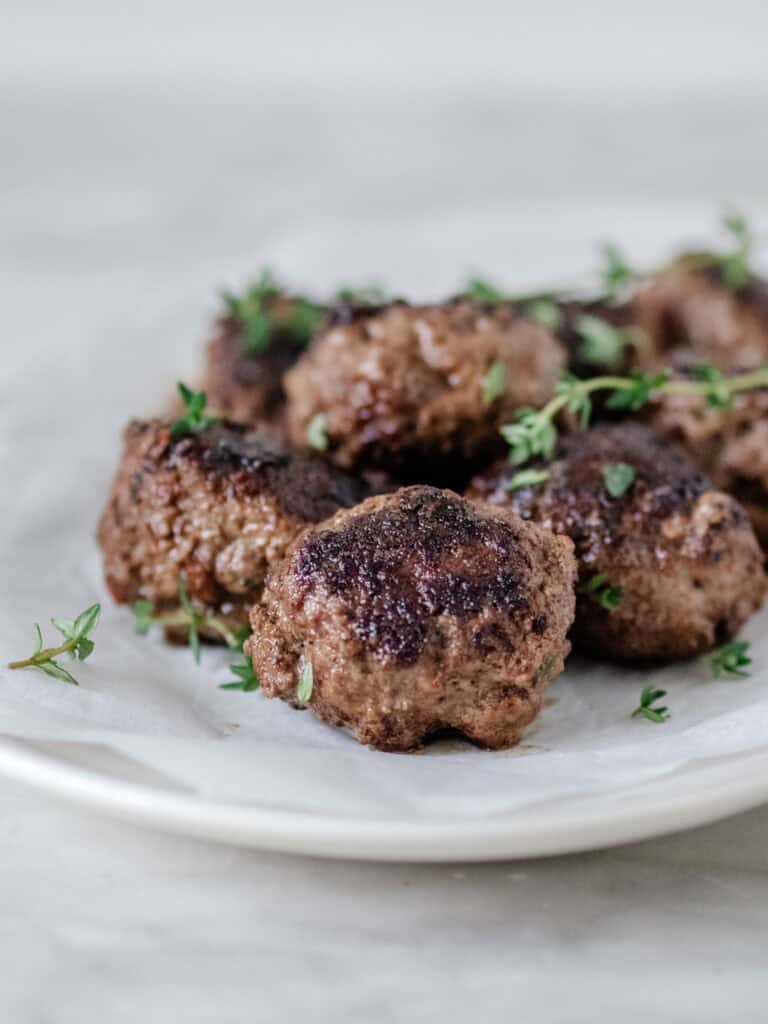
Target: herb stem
(44, 655)
(182, 618)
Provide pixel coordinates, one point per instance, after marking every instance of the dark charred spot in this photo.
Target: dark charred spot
(427, 555)
(303, 485)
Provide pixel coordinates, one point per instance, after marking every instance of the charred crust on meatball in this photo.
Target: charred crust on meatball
(419, 613)
(682, 553)
(395, 560)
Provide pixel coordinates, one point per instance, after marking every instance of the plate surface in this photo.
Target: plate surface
(151, 738)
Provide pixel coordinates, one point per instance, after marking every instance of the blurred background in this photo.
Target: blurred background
(153, 153)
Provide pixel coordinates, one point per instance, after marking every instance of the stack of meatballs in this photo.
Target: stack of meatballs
(351, 504)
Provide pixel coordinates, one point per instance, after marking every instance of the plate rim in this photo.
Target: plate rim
(602, 821)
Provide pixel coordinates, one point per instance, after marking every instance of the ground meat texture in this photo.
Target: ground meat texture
(214, 509)
(248, 386)
(730, 445)
(244, 386)
(691, 317)
(682, 553)
(419, 613)
(401, 387)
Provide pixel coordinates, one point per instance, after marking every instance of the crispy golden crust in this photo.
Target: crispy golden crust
(401, 387)
(419, 613)
(215, 509)
(681, 551)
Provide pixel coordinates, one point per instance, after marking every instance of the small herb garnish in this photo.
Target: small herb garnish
(77, 643)
(367, 295)
(187, 617)
(717, 394)
(483, 291)
(616, 272)
(527, 478)
(534, 433)
(306, 683)
(316, 433)
(194, 418)
(251, 310)
(734, 265)
(544, 311)
(618, 477)
(645, 708)
(305, 317)
(599, 590)
(493, 383)
(731, 659)
(247, 680)
(603, 344)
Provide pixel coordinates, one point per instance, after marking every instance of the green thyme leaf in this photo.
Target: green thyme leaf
(599, 589)
(545, 312)
(602, 343)
(317, 436)
(634, 397)
(367, 295)
(533, 434)
(731, 659)
(143, 614)
(645, 708)
(616, 272)
(735, 265)
(193, 636)
(527, 478)
(247, 681)
(578, 401)
(618, 477)
(483, 291)
(493, 383)
(77, 643)
(306, 683)
(305, 318)
(718, 393)
(194, 419)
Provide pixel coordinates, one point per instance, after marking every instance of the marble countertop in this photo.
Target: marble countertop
(149, 185)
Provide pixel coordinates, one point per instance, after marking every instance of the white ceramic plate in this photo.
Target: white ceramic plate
(150, 738)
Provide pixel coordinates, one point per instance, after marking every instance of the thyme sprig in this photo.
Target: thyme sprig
(260, 321)
(77, 643)
(195, 417)
(246, 680)
(646, 709)
(534, 434)
(731, 660)
(187, 617)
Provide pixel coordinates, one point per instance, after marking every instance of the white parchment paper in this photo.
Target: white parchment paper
(63, 401)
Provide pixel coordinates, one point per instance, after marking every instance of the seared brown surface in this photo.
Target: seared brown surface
(728, 444)
(215, 509)
(419, 612)
(682, 552)
(692, 317)
(248, 386)
(401, 387)
(245, 386)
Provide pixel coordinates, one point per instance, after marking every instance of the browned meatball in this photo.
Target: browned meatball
(692, 317)
(244, 376)
(214, 509)
(402, 388)
(730, 445)
(418, 612)
(667, 569)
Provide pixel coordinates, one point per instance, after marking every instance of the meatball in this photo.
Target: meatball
(213, 509)
(593, 349)
(245, 381)
(418, 612)
(667, 569)
(692, 316)
(405, 388)
(729, 444)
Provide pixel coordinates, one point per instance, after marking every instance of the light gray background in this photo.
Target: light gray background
(152, 151)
